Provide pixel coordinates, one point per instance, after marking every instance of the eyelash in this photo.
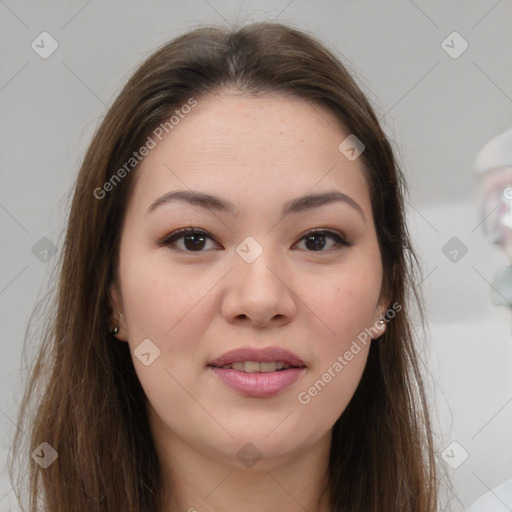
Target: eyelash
(171, 239)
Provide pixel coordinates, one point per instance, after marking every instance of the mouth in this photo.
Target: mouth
(251, 359)
(258, 373)
(257, 366)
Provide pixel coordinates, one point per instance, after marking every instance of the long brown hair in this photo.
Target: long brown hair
(90, 406)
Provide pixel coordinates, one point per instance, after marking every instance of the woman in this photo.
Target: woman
(233, 328)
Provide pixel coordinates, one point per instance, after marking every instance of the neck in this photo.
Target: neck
(197, 481)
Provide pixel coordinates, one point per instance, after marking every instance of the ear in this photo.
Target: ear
(117, 312)
(381, 318)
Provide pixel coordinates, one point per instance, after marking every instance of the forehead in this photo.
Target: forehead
(246, 146)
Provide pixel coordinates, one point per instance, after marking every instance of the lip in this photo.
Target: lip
(261, 355)
(258, 385)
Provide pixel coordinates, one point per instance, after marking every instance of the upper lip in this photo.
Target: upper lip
(262, 355)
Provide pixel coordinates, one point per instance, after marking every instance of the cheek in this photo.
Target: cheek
(330, 387)
(343, 309)
(171, 310)
(346, 311)
(159, 302)
(339, 362)
(174, 310)
(343, 303)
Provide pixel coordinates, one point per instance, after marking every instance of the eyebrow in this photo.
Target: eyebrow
(210, 202)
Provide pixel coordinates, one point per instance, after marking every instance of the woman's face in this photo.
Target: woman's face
(254, 278)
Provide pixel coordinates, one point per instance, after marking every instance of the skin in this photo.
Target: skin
(194, 306)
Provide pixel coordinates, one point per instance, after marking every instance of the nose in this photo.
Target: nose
(259, 293)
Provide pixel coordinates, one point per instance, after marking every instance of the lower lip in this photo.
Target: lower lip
(258, 385)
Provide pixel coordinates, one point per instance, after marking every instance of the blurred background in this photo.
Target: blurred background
(440, 78)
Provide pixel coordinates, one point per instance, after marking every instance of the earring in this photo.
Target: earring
(381, 322)
(115, 330)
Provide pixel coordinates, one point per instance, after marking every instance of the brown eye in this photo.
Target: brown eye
(315, 241)
(193, 240)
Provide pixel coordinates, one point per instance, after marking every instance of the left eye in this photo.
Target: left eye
(316, 239)
(194, 240)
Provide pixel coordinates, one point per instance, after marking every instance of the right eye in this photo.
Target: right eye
(194, 240)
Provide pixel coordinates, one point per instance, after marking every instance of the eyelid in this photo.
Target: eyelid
(175, 235)
(340, 238)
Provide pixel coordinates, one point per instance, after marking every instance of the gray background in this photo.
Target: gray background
(438, 110)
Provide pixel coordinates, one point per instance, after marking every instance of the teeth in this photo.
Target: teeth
(252, 366)
(267, 367)
(255, 366)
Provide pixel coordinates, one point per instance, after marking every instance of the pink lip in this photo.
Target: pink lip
(262, 355)
(259, 385)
